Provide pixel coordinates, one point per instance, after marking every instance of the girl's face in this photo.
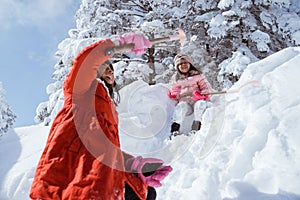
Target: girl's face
(108, 75)
(184, 67)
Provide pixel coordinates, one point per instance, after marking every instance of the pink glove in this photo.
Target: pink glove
(198, 96)
(174, 91)
(150, 170)
(139, 41)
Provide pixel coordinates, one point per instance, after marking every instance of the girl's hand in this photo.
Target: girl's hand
(198, 96)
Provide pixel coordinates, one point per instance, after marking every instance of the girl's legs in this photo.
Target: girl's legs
(182, 109)
(199, 109)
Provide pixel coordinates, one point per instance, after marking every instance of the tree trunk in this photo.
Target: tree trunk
(151, 65)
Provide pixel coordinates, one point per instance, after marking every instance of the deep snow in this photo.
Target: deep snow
(248, 146)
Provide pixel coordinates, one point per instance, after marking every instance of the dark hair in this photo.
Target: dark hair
(112, 88)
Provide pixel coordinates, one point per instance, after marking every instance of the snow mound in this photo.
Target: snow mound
(257, 155)
(20, 151)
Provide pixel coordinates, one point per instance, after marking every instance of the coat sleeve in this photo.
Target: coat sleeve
(136, 184)
(84, 69)
(203, 84)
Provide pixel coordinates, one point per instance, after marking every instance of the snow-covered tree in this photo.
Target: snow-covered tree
(7, 117)
(219, 33)
(255, 29)
(67, 50)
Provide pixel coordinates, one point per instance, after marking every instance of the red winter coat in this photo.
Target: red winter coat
(82, 159)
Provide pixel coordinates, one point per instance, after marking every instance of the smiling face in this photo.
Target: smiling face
(107, 74)
(184, 67)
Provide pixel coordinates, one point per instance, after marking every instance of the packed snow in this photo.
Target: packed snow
(248, 147)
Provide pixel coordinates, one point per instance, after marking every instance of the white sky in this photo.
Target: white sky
(30, 32)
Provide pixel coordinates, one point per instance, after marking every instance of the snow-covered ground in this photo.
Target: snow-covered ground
(248, 147)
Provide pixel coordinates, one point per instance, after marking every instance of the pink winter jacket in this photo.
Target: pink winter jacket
(185, 89)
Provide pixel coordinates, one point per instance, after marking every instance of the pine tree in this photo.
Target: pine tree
(7, 117)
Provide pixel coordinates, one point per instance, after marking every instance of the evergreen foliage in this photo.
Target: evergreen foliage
(7, 117)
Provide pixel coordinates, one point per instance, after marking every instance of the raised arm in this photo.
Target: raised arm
(85, 66)
(86, 63)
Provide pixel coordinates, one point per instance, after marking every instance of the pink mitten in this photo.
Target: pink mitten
(139, 41)
(174, 91)
(198, 96)
(150, 170)
(155, 179)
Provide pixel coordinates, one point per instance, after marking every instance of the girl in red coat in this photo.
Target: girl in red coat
(190, 88)
(82, 159)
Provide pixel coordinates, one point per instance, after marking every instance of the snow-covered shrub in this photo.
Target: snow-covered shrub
(7, 117)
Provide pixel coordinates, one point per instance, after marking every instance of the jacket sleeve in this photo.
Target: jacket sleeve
(203, 85)
(174, 91)
(84, 69)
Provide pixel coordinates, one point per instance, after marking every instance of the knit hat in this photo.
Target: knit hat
(181, 58)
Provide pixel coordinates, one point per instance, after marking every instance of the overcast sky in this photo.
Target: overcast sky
(30, 32)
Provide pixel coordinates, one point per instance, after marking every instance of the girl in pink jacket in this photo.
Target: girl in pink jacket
(190, 88)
